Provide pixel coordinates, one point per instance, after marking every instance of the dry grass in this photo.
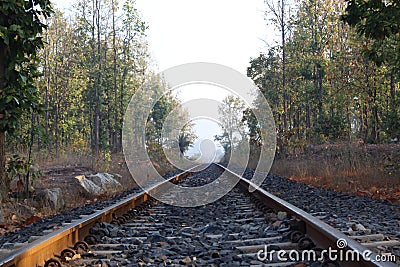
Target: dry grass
(105, 162)
(353, 168)
(69, 164)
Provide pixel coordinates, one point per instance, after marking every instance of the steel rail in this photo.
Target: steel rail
(36, 253)
(46, 247)
(321, 233)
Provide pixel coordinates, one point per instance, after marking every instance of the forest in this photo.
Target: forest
(335, 73)
(66, 80)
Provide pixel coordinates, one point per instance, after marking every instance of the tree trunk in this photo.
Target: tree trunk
(4, 184)
(366, 123)
(284, 91)
(376, 136)
(97, 119)
(279, 13)
(121, 105)
(47, 87)
(96, 50)
(392, 92)
(57, 100)
(285, 94)
(116, 147)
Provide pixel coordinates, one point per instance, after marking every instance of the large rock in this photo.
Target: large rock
(105, 181)
(89, 186)
(99, 183)
(51, 197)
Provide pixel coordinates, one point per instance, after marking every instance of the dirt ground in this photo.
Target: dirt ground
(364, 170)
(18, 213)
(64, 178)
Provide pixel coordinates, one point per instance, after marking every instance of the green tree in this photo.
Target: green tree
(21, 26)
(231, 115)
(280, 17)
(72, 64)
(379, 21)
(333, 91)
(185, 141)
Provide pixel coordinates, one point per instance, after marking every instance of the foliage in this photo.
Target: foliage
(20, 168)
(252, 125)
(392, 165)
(333, 91)
(92, 63)
(185, 142)
(378, 20)
(331, 126)
(186, 135)
(224, 140)
(21, 23)
(232, 120)
(21, 26)
(231, 114)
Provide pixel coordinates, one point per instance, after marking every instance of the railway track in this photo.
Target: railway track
(240, 229)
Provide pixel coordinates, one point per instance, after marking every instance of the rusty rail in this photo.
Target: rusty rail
(46, 247)
(321, 233)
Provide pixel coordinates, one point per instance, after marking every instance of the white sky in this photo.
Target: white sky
(227, 32)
